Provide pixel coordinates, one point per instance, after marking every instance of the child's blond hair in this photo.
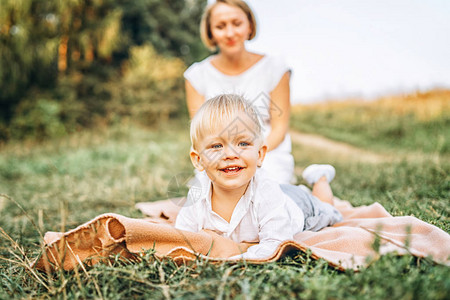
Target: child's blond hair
(223, 109)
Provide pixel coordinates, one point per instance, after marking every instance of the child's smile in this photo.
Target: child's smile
(231, 170)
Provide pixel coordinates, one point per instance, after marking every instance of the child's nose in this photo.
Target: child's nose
(230, 152)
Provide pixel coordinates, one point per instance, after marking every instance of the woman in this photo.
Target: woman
(261, 79)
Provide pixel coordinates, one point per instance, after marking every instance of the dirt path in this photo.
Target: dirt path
(353, 153)
(338, 148)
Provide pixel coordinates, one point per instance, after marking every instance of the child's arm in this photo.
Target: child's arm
(189, 216)
(277, 223)
(186, 219)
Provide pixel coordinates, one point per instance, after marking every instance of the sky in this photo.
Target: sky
(340, 49)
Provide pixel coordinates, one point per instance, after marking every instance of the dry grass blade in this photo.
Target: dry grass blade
(97, 288)
(22, 260)
(25, 212)
(223, 281)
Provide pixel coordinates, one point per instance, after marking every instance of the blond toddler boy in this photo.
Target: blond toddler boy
(233, 197)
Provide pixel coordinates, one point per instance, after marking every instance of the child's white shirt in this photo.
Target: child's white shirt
(263, 215)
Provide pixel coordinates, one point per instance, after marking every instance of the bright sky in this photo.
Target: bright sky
(356, 48)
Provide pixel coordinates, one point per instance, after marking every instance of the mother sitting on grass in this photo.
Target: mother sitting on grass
(262, 79)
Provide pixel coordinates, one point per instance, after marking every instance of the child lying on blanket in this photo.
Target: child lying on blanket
(235, 199)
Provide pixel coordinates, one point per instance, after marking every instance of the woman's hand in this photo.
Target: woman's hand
(280, 110)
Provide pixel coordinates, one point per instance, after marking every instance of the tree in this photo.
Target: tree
(172, 27)
(28, 43)
(63, 53)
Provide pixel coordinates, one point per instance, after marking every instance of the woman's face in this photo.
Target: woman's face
(230, 28)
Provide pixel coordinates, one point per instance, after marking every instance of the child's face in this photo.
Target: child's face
(230, 154)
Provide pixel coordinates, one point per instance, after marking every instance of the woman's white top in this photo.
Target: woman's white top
(255, 84)
(257, 218)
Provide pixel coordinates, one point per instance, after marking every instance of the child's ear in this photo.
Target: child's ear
(195, 159)
(261, 154)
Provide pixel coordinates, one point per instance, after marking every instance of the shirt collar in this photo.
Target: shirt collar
(242, 207)
(201, 191)
(249, 193)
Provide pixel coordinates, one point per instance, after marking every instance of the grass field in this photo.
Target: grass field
(59, 184)
(415, 122)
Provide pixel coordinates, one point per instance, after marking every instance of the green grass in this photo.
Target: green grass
(419, 122)
(407, 187)
(60, 184)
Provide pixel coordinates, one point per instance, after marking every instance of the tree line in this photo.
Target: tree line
(67, 65)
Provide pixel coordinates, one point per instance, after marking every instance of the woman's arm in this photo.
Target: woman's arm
(280, 110)
(193, 99)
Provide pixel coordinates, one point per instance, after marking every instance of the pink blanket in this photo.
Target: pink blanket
(346, 245)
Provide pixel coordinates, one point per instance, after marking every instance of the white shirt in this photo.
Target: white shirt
(263, 215)
(255, 84)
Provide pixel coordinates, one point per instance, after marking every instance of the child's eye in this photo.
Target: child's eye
(243, 144)
(216, 146)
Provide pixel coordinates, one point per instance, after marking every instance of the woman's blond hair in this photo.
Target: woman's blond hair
(205, 24)
(220, 110)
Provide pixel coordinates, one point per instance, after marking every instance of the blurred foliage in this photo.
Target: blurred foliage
(39, 118)
(67, 65)
(150, 88)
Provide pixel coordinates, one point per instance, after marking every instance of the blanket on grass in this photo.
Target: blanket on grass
(346, 245)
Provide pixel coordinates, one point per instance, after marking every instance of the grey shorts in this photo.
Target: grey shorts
(318, 214)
